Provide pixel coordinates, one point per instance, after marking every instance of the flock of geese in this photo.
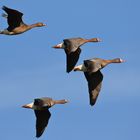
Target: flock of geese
(71, 46)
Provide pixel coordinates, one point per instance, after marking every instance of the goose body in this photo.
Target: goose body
(93, 75)
(41, 109)
(72, 49)
(15, 22)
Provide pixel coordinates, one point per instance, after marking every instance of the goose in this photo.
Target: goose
(93, 75)
(41, 109)
(72, 49)
(15, 22)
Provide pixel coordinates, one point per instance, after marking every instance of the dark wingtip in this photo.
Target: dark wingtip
(38, 135)
(4, 7)
(68, 70)
(92, 103)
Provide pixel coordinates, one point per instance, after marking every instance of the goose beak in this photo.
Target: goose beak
(77, 68)
(28, 106)
(58, 46)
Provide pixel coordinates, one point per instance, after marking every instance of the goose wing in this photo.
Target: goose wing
(72, 59)
(94, 85)
(42, 119)
(14, 18)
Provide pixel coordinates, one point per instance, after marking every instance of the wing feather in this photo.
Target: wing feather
(94, 85)
(14, 18)
(42, 119)
(72, 59)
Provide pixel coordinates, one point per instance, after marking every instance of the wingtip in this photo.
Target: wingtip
(4, 15)
(38, 135)
(68, 70)
(92, 103)
(4, 7)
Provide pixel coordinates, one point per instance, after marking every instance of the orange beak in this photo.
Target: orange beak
(56, 47)
(76, 69)
(27, 106)
(59, 46)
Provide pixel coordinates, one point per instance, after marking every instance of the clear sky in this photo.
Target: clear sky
(30, 68)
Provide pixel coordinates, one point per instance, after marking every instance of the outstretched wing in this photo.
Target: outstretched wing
(42, 119)
(14, 18)
(94, 85)
(72, 59)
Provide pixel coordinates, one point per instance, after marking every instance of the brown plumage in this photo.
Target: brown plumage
(72, 49)
(15, 22)
(94, 85)
(41, 108)
(94, 77)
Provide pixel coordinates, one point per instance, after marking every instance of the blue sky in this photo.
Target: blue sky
(30, 68)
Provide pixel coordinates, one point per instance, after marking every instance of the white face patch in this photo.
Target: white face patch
(83, 68)
(80, 68)
(61, 45)
(31, 105)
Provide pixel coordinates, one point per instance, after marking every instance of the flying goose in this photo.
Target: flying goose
(72, 49)
(94, 77)
(41, 108)
(15, 22)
